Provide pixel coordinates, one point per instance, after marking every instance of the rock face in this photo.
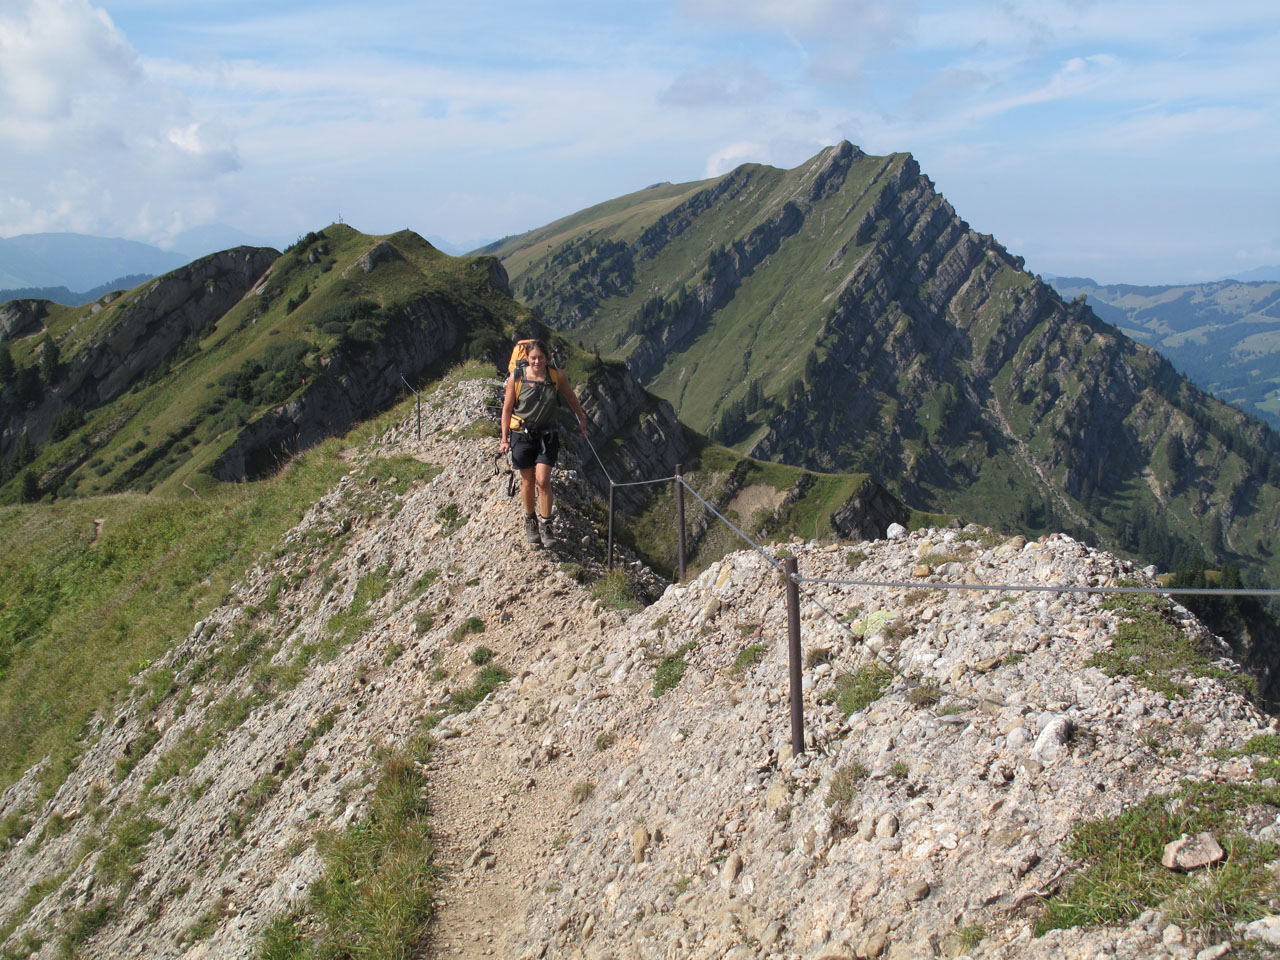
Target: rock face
(164, 313)
(583, 812)
(869, 513)
(355, 387)
(616, 405)
(20, 318)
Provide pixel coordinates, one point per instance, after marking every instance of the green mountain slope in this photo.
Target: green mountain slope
(1225, 336)
(223, 368)
(840, 316)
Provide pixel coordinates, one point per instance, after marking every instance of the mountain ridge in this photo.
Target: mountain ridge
(579, 808)
(1223, 335)
(841, 315)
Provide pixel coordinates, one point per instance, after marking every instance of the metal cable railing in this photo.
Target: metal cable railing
(1048, 588)
(789, 569)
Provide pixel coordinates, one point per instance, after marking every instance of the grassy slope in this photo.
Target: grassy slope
(775, 315)
(78, 616)
(79, 609)
(93, 589)
(623, 218)
(176, 403)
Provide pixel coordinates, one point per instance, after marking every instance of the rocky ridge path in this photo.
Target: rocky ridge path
(630, 792)
(211, 770)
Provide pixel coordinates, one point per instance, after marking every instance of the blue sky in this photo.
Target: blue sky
(1127, 140)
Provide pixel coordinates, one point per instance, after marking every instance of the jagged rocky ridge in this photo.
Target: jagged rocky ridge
(700, 835)
(842, 316)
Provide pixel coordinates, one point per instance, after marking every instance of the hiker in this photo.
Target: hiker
(529, 432)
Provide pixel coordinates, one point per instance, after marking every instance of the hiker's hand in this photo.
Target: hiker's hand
(504, 446)
(582, 425)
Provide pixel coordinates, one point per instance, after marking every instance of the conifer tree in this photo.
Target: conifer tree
(50, 361)
(30, 487)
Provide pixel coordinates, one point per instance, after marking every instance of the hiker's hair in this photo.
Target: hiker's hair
(538, 345)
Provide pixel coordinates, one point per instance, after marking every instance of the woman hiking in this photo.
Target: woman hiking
(529, 432)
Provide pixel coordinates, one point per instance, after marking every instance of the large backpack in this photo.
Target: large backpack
(517, 365)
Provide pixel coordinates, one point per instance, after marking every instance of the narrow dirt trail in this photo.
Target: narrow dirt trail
(501, 789)
(501, 786)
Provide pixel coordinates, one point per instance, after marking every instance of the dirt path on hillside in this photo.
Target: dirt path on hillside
(501, 789)
(501, 780)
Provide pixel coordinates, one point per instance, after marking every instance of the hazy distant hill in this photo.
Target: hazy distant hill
(1271, 273)
(70, 297)
(78, 262)
(1225, 335)
(841, 316)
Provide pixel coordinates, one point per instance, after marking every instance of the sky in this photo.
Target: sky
(1129, 141)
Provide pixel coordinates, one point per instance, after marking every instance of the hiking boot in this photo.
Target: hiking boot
(531, 529)
(544, 531)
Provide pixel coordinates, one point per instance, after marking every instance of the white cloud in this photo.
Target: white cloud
(494, 119)
(90, 140)
(733, 155)
(837, 38)
(60, 60)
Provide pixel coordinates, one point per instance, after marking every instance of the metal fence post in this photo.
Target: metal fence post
(609, 554)
(680, 517)
(793, 656)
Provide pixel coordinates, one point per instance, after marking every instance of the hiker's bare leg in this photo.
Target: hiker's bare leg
(527, 489)
(545, 498)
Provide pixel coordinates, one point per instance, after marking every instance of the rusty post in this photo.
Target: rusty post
(609, 554)
(680, 516)
(793, 656)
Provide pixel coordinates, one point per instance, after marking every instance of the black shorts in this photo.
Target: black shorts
(530, 448)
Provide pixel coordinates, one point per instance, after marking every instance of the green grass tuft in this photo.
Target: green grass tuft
(748, 657)
(854, 691)
(375, 897)
(670, 670)
(844, 785)
(1121, 874)
(614, 590)
(1153, 649)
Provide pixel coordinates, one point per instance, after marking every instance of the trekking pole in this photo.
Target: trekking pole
(793, 656)
(680, 517)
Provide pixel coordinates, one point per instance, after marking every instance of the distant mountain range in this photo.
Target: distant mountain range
(1225, 335)
(1257, 273)
(74, 298)
(78, 262)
